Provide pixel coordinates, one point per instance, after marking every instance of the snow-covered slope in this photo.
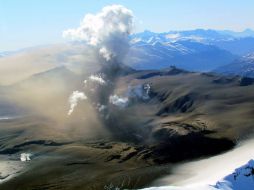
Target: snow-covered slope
(241, 179)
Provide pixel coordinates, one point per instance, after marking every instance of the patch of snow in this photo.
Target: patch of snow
(249, 56)
(151, 39)
(241, 179)
(173, 36)
(135, 40)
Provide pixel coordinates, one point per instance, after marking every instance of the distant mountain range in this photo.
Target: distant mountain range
(198, 50)
(194, 50)
(186, 54)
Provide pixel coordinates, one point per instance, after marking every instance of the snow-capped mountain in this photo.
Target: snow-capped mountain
(190, 50)
(242, 67)
(241, 179)
(198, 50)
(198, 35)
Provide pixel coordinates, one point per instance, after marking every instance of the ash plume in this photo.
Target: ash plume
(107, 35)
(108, 31)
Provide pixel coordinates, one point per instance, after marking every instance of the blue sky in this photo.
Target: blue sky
(25, 23)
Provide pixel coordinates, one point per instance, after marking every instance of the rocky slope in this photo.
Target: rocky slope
(155, 118)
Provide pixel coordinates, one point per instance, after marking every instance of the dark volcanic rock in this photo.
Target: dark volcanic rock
(182, 104)
(167, 72)
(189, 147)
(176, 142)
(150, 75)
(245, 81)
(175, 71)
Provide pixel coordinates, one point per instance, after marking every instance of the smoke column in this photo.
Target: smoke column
(108, 31)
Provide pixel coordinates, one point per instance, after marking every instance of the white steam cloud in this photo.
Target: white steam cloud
(108, 31)
(101, 108)
(73, 100)
(98, 79)
(118, 101)
(140, 91)
(24, 157)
